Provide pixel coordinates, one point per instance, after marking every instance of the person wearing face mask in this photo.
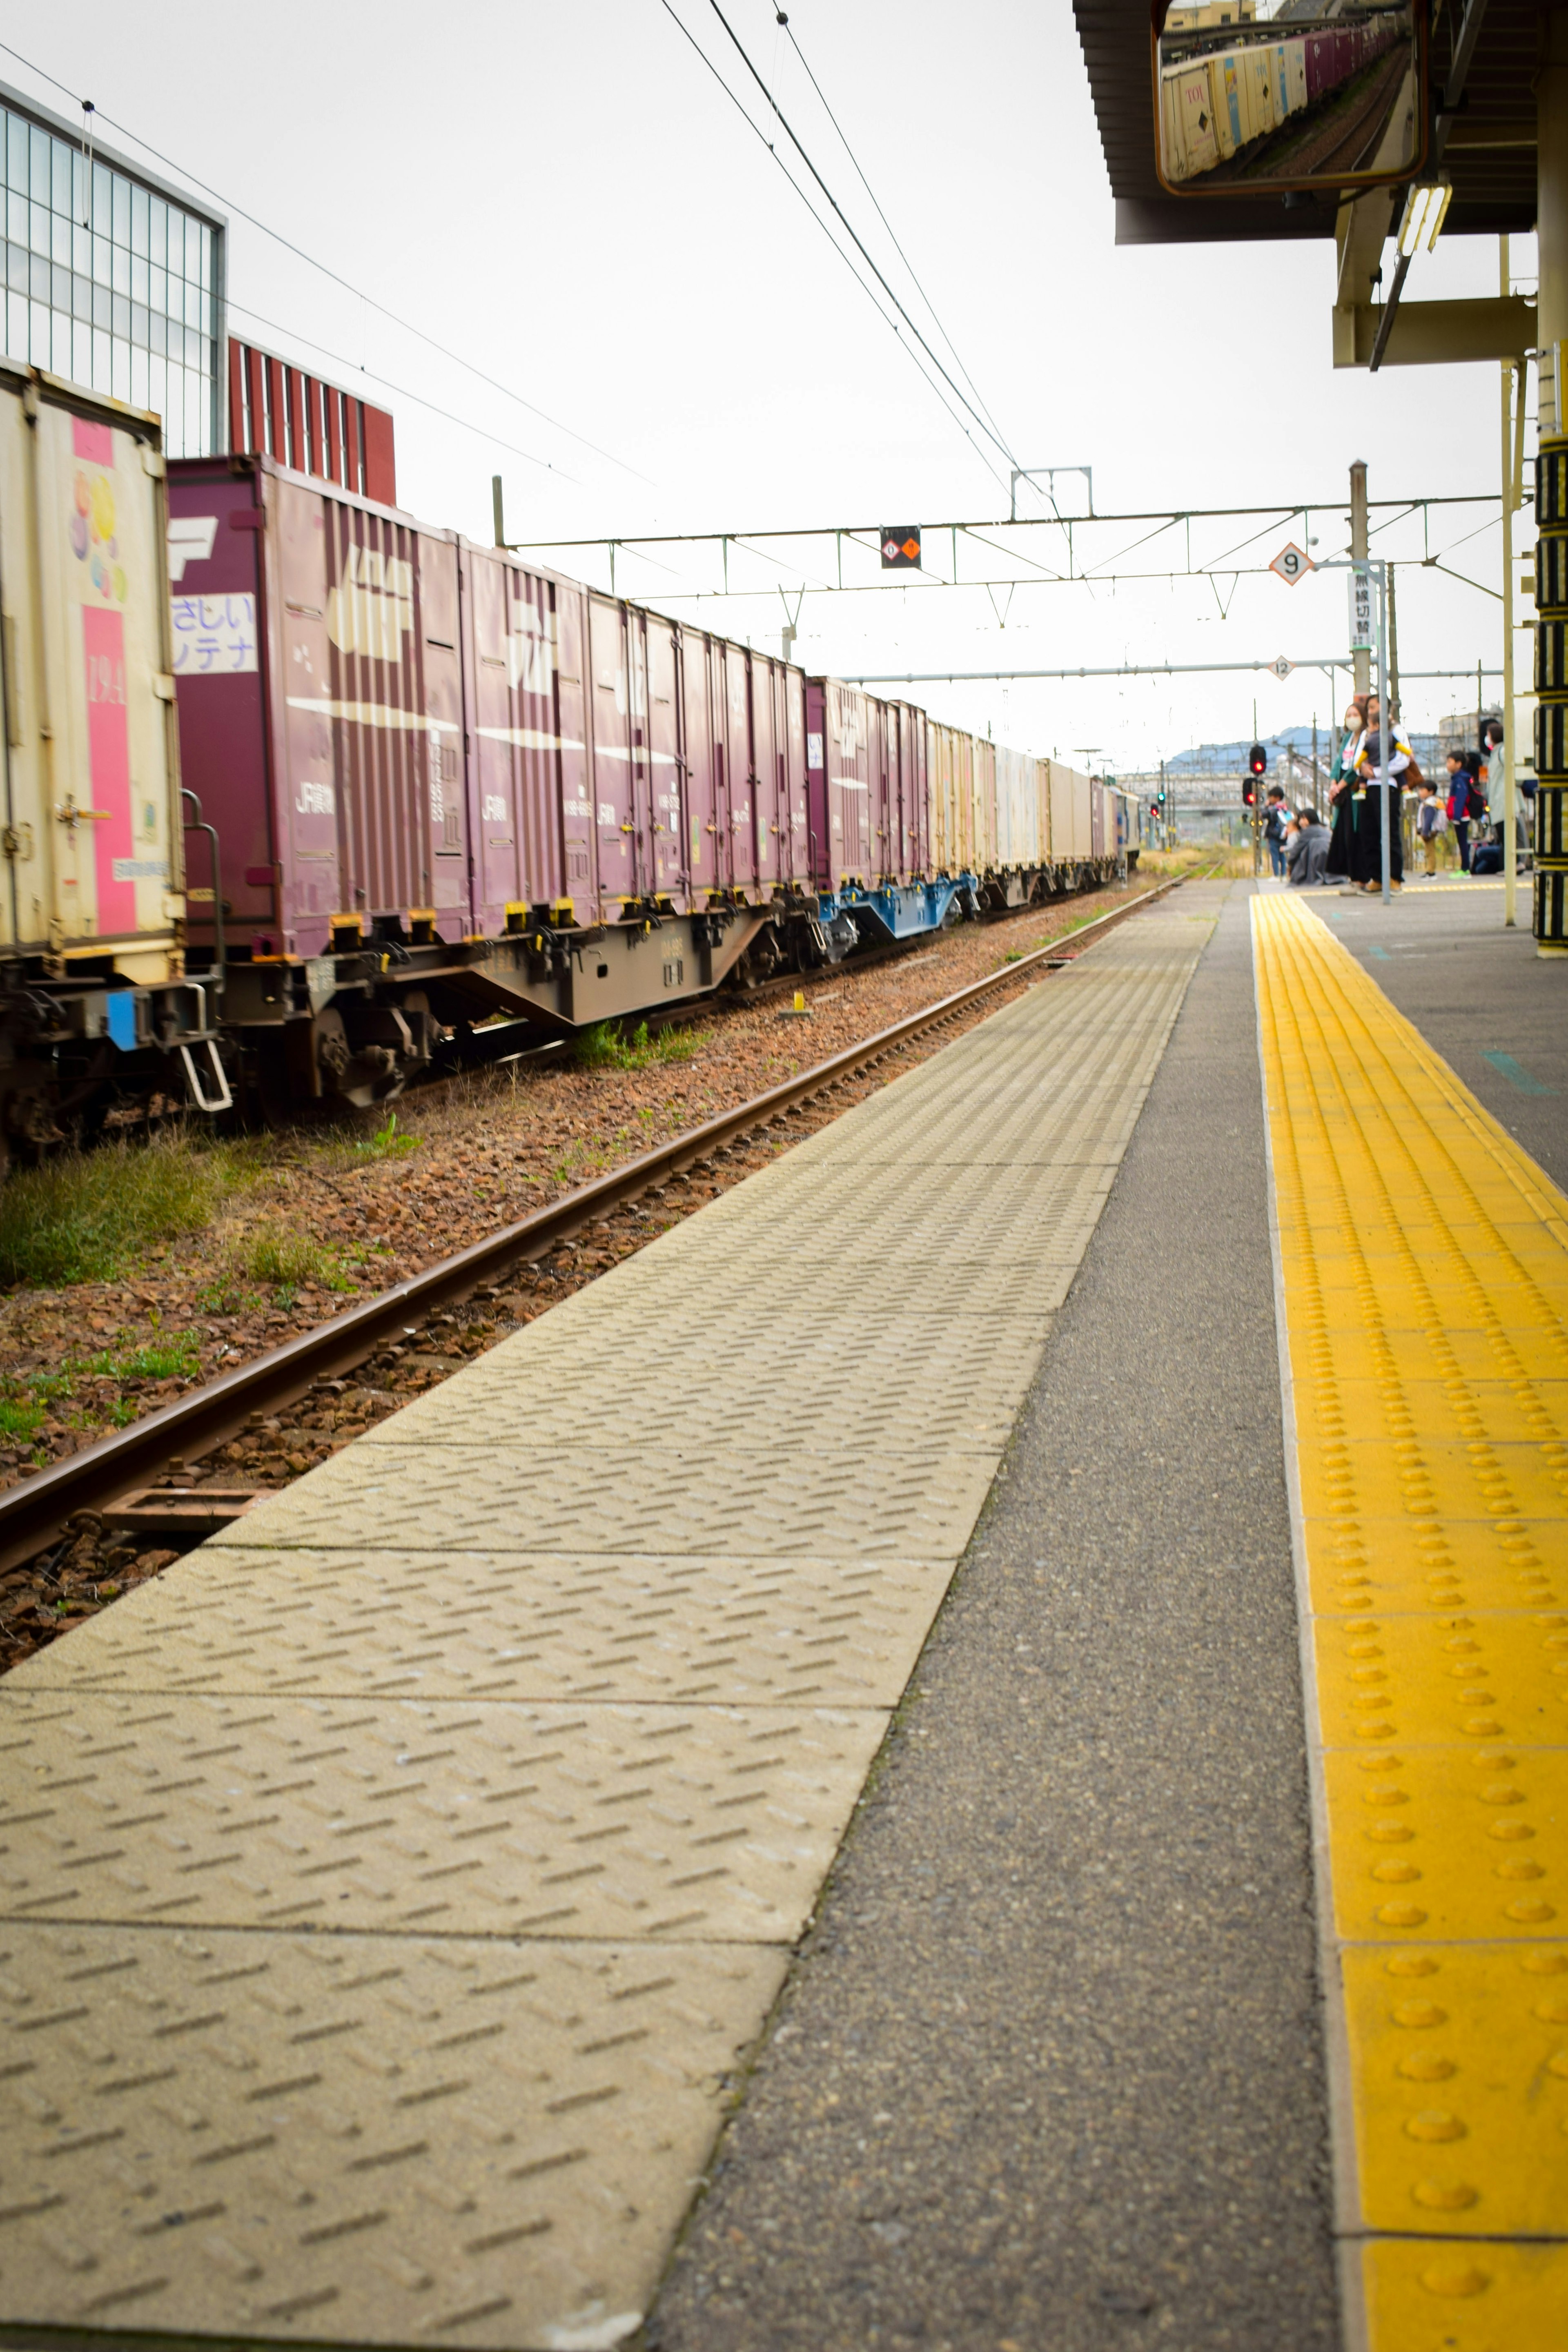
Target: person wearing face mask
(1366, 868)
(1340, 863)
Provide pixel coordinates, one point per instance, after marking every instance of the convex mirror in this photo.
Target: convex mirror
(1254, 96)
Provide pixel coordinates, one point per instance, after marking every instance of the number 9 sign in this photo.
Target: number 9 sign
(1292, 563)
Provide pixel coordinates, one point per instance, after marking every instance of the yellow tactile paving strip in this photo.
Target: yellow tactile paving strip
(389, 1895)
(1423, 1266)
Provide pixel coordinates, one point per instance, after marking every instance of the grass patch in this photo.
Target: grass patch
(388, 1142)
(289, 1261)
(19, 1420)
(85, 1216)
(604, 1046)
(1014, 955)
(180, 1362)
(353, 1149)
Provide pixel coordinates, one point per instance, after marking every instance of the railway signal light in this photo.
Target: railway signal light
(1257, 760)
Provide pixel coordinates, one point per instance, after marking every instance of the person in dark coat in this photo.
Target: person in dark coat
(1366, 867)
(1307, 851)
(1458, 805)
(1340, 860)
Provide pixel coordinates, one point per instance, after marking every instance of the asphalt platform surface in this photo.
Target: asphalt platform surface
(1496, 1011)
(1048, 2074)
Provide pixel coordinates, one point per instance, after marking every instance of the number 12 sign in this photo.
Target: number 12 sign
(1292, 563)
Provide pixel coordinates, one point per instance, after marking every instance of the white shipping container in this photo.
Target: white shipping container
(1022, 829)
(93, 869)
(1190, 143)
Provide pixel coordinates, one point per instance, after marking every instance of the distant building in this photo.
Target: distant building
(113, 279)
(276, 410)
(1210, 11)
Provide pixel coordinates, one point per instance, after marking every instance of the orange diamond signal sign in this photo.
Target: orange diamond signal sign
(901, 547)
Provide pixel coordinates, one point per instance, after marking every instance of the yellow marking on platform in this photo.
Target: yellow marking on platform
(1422, 2297)
(1464, 2050)
(1467, 1675)
(1424, 1262)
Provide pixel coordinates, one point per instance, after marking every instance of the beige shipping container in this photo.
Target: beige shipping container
(1072, 837)
(981, 857)
(950, 769)
(93, 869)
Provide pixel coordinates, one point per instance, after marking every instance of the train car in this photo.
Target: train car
(448, 788)
(98, 1013)
(877, 816)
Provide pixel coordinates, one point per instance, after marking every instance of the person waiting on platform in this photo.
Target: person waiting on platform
(1431, 825)
(1307, 851)
(1274, 829)
(1375, 790)
(1341, 792)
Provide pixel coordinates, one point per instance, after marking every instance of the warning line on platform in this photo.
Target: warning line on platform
(1423, 1267)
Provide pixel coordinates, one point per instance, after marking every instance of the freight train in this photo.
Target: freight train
(1234, 88)
(303, 795)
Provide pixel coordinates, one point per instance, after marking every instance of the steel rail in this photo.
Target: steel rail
(36, 1511)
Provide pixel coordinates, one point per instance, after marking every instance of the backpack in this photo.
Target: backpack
(1413, 778)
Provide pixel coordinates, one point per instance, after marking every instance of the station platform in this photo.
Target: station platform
(401, 1886)
(963, 1753)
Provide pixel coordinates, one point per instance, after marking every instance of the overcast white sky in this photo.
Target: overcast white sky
(566, 197)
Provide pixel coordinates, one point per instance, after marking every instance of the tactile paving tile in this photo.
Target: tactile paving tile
(777, 1500)
(398, 1624)
(1446, 1844)
(468, 1819)
(360, 2139)
(513, 1399)
(1433, 1677)
(1422, 2295)
(1424, 1259)
(1397, 1564)
(1467, 2046)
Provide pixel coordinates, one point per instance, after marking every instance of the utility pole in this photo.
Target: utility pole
(1505, 748)
(1362, 656)
(497, 511)
(1550, 886)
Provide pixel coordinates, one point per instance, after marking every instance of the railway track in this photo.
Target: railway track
(37, 1512)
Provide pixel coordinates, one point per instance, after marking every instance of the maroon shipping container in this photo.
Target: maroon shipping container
(411, 743)
(320, 703)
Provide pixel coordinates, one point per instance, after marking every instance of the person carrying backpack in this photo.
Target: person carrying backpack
(1458, 804)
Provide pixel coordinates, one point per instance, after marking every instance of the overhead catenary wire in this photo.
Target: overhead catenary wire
(826, 228)
(990, 432)
(335, 276)
(886, 224)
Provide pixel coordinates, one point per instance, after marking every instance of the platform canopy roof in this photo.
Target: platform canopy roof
(1489, 157)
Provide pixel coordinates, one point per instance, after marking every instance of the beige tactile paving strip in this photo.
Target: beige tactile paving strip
(494, 1819)
(357, 2138)
(388, 1892)
(368, 1623)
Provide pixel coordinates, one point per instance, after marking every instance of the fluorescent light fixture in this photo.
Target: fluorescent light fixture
(1426, 209)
